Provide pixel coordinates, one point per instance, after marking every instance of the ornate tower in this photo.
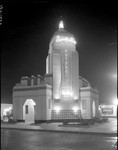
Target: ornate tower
(62, 62)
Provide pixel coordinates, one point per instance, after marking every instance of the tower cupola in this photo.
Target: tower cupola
(61, 36)
(61, 25)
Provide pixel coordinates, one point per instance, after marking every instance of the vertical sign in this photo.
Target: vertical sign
(66, 65)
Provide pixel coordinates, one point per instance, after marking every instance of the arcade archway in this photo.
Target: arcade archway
(29, 111)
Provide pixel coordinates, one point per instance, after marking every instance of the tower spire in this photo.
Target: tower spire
(61, 25)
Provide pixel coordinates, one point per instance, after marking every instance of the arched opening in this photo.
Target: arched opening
(29, 111)
(93, 108)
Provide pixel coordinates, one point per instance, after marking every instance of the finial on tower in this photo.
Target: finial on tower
(61, 25)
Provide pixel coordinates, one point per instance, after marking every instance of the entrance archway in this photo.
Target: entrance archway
(93, 108)
(29, 111)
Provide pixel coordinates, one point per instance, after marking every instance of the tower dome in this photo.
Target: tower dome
(62, 33)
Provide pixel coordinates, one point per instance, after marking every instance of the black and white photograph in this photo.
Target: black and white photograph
(58, 75)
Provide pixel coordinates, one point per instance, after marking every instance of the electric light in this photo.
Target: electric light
(75, 97)
(115, 101)
(65, 39)
(9, 108)
(57, 96)
(75, 109)
(57, 108)
(6, 110)
(114, 76)
(99, 108)
(61, 25)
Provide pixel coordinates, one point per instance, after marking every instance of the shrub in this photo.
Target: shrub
(105, 119)
(101, 119)
(12, 121)
(65, 123)
(85, 122)
(92, 122)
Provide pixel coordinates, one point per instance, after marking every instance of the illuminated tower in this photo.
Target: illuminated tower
(62, 94)
(62, 62)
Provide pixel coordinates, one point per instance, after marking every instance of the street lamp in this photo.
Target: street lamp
(114, 76)
(115, 101)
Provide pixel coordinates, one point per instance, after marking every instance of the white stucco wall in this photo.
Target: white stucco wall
(75, 75)
(89, 95)
(37, 95)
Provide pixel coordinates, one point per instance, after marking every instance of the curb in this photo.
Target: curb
(63, 131)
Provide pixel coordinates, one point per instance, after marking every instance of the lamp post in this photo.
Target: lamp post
(115, 101)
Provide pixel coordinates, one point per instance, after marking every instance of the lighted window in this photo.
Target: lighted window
(26, 109)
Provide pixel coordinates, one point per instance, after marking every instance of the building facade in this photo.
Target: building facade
(61, 94)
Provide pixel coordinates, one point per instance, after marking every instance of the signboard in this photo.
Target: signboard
(106, 109)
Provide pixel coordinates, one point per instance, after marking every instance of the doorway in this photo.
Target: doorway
(29, 111)
(93, 109)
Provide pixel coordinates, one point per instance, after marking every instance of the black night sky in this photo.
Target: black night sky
(28, 26)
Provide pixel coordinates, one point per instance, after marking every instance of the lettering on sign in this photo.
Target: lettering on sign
(66, 65)
(65, 39)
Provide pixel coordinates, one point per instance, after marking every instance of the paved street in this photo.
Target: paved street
(35, 140)
(109, 127)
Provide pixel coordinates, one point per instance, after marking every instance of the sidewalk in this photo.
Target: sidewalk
(109, 128)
